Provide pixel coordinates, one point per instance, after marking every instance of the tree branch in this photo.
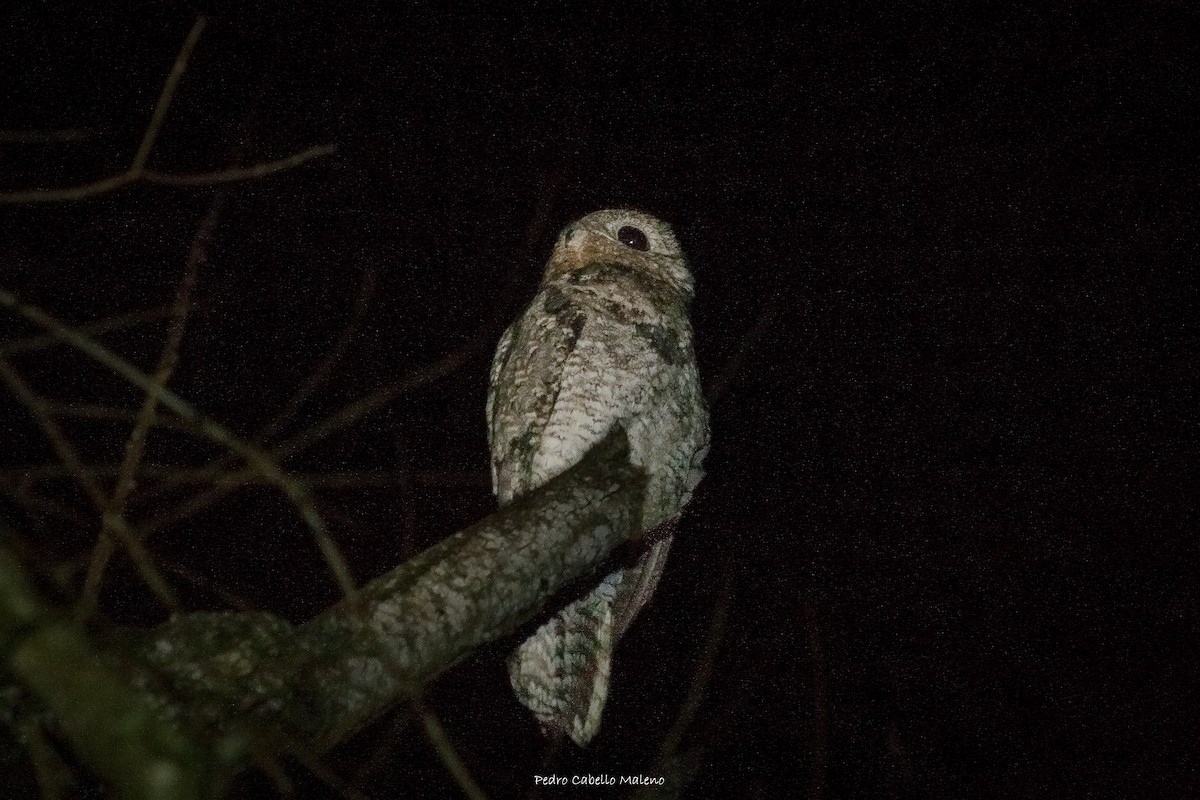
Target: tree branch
(137, 171)
(111, 726)
(320, 682)
(256, 458)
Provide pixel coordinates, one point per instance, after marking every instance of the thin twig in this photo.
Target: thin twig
(29, 546)
(166, 96)
(114, 182)
(185, 510)
(44, 136)
(819, 766)
(37, 506)
(114, 524)
(704, 667)
(448, 364)
(343, 418)
(201, 581)
(341, 479)
(381, 397)
(533, 236)
(406, 501)
(218, 467)
(135, 444)
(70, 193)
(235, 174)
(113, 323)
(385, 745)
(98, 411)
(296, 492)
(327, 776)
(315, 380)
(54, 777)
(733, 365)
(447, 753)
(137, 171)
(325, 367)
(138, 165)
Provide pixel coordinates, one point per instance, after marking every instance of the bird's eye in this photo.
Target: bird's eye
(633, 237)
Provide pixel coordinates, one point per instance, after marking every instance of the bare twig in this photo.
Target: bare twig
(733, 365)
(342, 479)
(114, 523)
(167, 95)
(187, 509)
(535, 232)
(44, 136)
(313, 763)
(382, 753)
(137, 171)
(384, 395)
(217, 469)
(149, 137)
(53, 776)
(406, 500)
(201, 581)
(135, 444)
(343, 418)
(315, 380)
(38, 507)
(447, 753)
(704, 667)
(111, 183)
(236, 174)
(113, 323)
(262, 462)
(325, 367)
(381, 397)
(98, 411)
(819, 766)
(102, 186)
(489, 326)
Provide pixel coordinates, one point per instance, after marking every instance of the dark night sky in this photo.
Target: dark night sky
(953, 461)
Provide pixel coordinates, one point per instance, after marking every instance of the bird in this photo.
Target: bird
(606, 341)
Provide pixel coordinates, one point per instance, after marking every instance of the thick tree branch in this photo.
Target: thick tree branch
(112, 727)
(318, 683)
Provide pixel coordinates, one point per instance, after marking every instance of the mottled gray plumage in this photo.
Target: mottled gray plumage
(606, 340)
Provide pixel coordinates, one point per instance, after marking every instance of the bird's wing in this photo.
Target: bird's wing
(527, 376)
(499, 360)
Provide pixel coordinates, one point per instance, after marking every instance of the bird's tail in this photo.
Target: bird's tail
(561, 672)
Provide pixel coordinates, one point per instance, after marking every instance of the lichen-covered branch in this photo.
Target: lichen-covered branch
(475, 586)
(112, 727)
(319, 682)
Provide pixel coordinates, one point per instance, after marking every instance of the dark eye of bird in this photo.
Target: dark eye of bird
(633, 237)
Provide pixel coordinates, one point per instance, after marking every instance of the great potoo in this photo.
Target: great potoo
(606, 341)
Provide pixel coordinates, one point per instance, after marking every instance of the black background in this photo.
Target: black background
(947, 490)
